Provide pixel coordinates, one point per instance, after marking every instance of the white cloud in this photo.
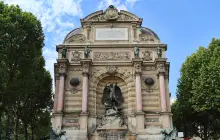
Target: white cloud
(55, 16)
(50, 10)
(119, 4)
(172, 100)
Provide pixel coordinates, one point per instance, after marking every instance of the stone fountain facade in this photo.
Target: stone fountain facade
(112, 47)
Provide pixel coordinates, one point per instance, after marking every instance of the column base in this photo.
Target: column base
(140, 122)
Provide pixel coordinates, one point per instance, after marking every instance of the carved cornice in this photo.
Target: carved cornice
(144, 37)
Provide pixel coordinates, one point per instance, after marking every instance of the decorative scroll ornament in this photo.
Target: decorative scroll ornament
(147, 55)
(144, 37)
(111, 13)
(99, 56)
(78, 38)
(111, 70)
(75, 56)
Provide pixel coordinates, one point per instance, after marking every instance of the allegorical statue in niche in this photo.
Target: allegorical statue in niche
(159, 52)
(136, 51)
(112, 99)
(86, 52)
(64, 53)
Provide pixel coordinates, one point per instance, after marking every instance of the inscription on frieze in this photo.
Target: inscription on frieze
(112, 34)
(152, 119)
(103, 56)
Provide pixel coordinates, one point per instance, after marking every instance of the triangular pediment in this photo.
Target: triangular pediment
(111, 14)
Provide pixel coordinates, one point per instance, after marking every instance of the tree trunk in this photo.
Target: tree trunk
(205, 132)
(25, 132)
(0, 127)
(7, 135)
(32, 132)
(16, 128)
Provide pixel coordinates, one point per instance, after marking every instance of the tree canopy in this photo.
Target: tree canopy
(197, 109)
(25, 85)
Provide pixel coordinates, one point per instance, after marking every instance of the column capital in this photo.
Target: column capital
(161, 65)
(137, 63)
(62, 66)
(85, 65)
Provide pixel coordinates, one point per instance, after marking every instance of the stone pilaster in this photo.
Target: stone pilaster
(59, 100)
(137, 62)
(88, 30)
(134, 28)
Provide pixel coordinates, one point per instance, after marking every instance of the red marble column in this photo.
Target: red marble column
(162, 92)
(56, 93)
(85, 93)
(60, 93)
(138, 92)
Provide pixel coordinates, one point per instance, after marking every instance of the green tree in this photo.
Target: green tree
(25, 85)
(197, 109)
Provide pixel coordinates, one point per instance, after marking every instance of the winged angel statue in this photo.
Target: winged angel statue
(112, 99)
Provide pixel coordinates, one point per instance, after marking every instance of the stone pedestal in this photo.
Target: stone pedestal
(140, 123)
(84, 121)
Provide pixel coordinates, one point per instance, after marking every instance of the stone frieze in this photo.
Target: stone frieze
(106, 56)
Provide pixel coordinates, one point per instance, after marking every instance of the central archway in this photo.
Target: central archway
(99, 93)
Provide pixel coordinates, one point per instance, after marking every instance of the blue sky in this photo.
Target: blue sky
(183, 25)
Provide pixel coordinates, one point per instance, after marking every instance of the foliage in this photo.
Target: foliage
(25, 85)
(197, 109)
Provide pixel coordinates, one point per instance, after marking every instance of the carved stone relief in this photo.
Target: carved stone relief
(125, 17)
(78, 38)
(102, 56)
(111, 70)
(144, 37)
(111, 13)
(76, 56)
(147, 55)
